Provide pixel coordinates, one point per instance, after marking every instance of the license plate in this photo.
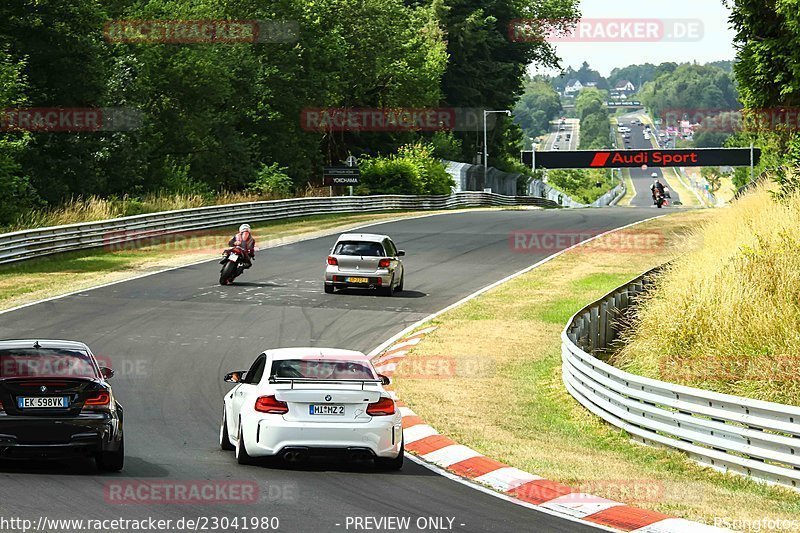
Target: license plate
(43, 402)
(357, 280)
(233, 257)
(326, 409)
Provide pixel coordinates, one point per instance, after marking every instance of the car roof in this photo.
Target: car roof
(280, 354)
(43, 343)
(368, 237)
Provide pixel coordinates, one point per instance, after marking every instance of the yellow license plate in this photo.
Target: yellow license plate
(357, 280)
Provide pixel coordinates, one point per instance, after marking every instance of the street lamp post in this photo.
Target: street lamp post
(485, 146)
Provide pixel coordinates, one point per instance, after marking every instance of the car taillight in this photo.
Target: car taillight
(268, 404)
(332, 260)
(98, 401)
(1, 406)
(383, 407)
(384, 263)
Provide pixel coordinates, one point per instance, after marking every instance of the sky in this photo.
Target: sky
(713, 43)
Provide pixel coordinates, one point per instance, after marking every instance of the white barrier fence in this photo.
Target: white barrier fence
(21, 245)
(470, 178)
(751, 437)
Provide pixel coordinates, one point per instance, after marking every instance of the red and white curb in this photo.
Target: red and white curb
(528, 489)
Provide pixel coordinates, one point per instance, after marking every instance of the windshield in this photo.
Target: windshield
(46, 362)
(371, 249)
(322, 369)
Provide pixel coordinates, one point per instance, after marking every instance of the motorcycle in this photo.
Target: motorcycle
(232, 265)
(659, 200)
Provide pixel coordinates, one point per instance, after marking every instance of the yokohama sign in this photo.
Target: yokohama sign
(701, 157)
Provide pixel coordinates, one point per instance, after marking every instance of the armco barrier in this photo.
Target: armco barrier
(27, 244)
(751, 437)
(470, 178)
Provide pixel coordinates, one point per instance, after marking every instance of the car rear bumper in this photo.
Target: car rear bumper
(374, 280)
(26, 437)
(272, 435)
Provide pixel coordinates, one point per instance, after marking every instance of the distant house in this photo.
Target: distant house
(625, 87)
(573, 86)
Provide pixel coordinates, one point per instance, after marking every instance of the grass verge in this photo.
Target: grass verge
(59, 274)
(499, 389)
(630, 190)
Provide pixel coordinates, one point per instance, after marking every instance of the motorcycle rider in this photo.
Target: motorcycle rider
(244, 239)
(656, 187)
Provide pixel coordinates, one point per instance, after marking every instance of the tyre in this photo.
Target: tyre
(242, 457)
(386, 463)
(224, 439)
(329, 289)
(402, 280)
(227, 273)
(111, 461)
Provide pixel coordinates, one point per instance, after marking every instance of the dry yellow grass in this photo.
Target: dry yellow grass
(498, 389)
(95, 208)
(726, 316)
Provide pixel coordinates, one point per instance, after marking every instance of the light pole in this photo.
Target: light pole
(485, 146)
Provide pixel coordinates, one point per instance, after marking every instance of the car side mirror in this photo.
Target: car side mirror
(401, 253)
(106, 372)
(235, 376)
(385, 380)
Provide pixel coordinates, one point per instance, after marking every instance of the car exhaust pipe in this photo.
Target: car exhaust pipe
(295, 455)
(357, 454)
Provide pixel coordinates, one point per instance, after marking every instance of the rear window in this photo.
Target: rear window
(361, 248)
(319, 369)
(46, 362)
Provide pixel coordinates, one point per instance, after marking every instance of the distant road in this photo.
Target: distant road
(572, 127)
(641, 178)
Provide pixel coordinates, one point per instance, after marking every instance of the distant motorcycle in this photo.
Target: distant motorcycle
(659, 200)
(232, 265)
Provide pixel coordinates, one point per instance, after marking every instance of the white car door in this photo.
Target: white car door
(244, 391)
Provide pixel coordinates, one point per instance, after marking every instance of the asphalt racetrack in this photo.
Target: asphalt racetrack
(172, 336)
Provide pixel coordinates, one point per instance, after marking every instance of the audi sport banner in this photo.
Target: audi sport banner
(700, 157)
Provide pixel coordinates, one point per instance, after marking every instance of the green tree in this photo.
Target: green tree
(767, 71)
(538, 105)
(16, 192)
(594, 117)
(690, 88)
(486, 67)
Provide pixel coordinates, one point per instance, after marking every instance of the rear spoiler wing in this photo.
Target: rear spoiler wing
(292, 381)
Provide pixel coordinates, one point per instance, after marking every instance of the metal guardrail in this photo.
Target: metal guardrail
(21, 245)
(729, 433)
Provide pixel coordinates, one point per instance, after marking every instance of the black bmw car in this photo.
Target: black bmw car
(55, 402)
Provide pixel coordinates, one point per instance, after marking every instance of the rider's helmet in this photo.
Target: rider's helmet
(244, 227)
